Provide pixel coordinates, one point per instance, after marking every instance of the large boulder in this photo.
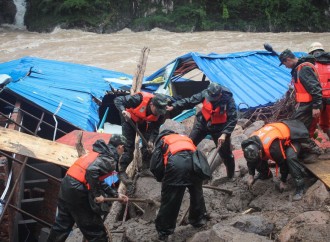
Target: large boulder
(316, 195)
(312, 226)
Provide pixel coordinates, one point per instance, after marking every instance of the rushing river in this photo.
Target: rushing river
(121, 51)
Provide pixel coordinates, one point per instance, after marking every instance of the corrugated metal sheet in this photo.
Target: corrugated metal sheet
(254, 77)
(48, 83)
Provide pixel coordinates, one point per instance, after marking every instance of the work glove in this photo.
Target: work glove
(126, 115)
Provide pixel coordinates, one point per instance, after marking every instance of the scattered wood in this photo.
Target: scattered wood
(218, 189)
(35, 147)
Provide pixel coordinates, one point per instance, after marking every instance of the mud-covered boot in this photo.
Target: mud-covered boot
(298, 193)
(124, 178)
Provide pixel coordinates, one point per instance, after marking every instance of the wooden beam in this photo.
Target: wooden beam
(37, 148)
(321, 169)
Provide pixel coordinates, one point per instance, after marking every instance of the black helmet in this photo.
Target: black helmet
(117, 139)
(160, 101)
(213, 92)
(251, 153)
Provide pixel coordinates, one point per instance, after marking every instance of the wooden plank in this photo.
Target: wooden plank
(321, 169)
(88, 138)
(38, 148)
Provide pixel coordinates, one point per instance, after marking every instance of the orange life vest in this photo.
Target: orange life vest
(213, 114)
(78, 169)
(324, 75)
(302, 96)
(177, 143)
(269, 133)
(140, 112)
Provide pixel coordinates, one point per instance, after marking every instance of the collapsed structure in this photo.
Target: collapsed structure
(52, 99)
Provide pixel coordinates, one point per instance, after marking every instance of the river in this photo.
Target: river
(121, 51)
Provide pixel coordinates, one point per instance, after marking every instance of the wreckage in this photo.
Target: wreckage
(50, 101)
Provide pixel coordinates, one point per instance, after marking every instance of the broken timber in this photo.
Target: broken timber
(321, 169)
(34, 147)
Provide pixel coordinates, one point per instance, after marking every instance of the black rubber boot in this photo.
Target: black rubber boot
(230, 167)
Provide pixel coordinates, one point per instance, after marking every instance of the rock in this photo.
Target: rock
(206, 146)
(201, 237)
(173, 125)
(316, 195)
(240, 201)
(253, 127)
(243, 122)
(222, 233)
(312, 226)
(237, 140)
(254, 224)
(188, 123)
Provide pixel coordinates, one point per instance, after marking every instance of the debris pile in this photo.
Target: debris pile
(259, 214)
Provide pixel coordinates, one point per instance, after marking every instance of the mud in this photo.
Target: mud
(259, 214)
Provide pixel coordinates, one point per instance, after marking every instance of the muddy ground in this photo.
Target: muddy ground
(260, 214)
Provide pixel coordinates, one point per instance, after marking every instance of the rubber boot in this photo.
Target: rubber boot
(298, 193)
(127, 181)
(230, 167)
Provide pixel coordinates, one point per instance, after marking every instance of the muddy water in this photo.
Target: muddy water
(121, 51)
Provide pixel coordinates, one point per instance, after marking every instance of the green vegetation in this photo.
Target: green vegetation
(180, 15)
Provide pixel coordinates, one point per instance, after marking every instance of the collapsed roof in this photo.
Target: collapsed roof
(68, 89)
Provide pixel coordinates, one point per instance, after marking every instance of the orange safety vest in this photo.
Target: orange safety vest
(177, 143)
(324, 75)
(140, 112)
(213, 114)
(302, 96)
(269, 133)
(78, 169)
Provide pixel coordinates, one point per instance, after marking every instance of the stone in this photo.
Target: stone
(254, 127)
(316, 195)
(312, 226)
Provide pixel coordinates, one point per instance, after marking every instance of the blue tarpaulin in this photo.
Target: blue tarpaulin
(254, 77)
(50, 84)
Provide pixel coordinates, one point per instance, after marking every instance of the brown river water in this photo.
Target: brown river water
(121, 51)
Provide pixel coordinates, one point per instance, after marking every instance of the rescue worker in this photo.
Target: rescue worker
(218, 118)
(83, 190)
(308, 93)
(171, 164)
(322, 65)
(279, 142)
(147, 111)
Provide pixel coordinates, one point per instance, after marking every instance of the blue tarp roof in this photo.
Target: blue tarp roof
(254, 77)
(48, 83)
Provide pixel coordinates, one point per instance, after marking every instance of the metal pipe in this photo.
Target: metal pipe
(30, 215)
(55, 129)
(31, 167)
(13, 188)
(25, 112)
(21, 126)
